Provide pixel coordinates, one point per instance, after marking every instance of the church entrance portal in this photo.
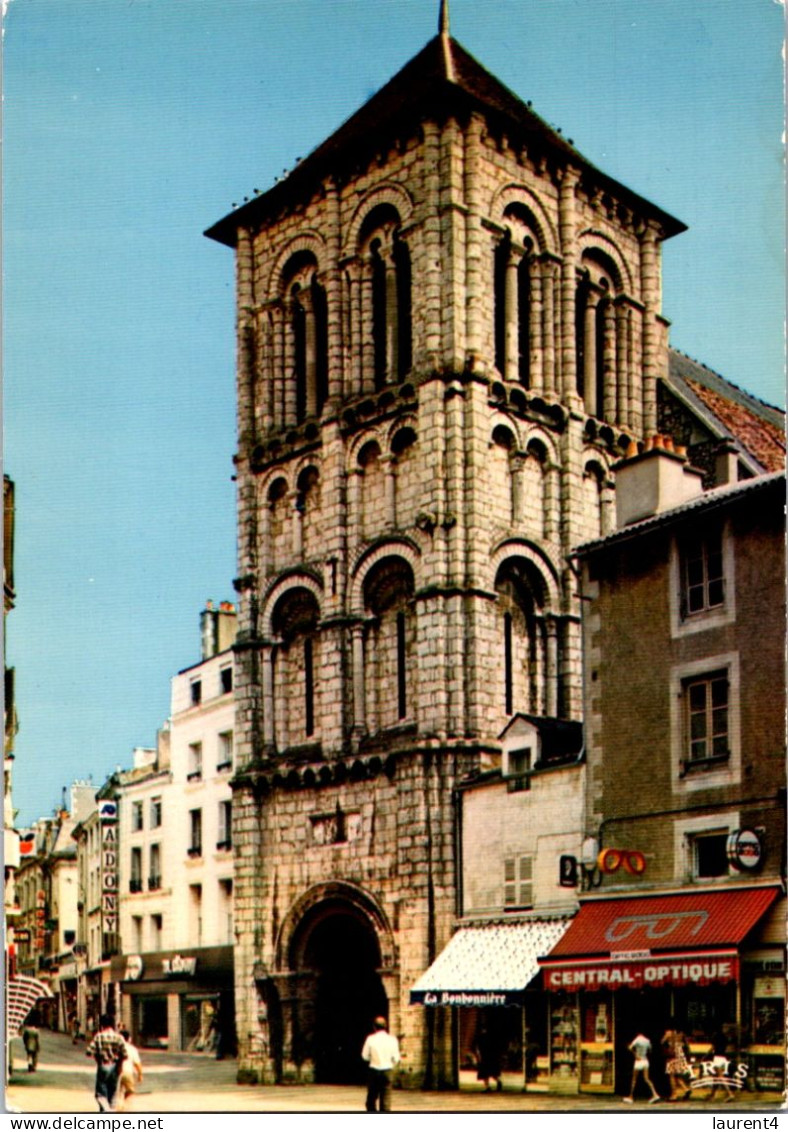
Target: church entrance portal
(341, 948)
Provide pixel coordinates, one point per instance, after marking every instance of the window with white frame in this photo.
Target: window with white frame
(195, 833)
(226, 679)
(709, 854)
(155, 813)
(226, 909)
(154, 874)
(518, 882)
(136, 816)
(194, 762)
(225, 756)
(706, 720)
(700, 846)
(225, 826)
(156, 928)
(195, 692)
(135, 872)
(702, 574)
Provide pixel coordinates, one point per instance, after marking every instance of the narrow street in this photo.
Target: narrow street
(175, 1082)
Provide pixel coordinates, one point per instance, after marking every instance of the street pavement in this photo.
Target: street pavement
(181, 1083)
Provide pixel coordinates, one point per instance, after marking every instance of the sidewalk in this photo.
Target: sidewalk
(177, 1082)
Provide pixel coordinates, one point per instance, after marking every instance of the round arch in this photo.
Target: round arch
(370, 556)
(299, 579)
(310, 242)
(388, 193)
(522, 548)
(522, 195)
(608, 255)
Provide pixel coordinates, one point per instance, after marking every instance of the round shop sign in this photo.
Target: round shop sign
(744, 850)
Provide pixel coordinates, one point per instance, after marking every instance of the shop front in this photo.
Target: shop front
(487, 976)
(652, 963)
(179, 1000)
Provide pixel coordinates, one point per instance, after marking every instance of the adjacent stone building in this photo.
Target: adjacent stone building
(684, 623)
(449, 328)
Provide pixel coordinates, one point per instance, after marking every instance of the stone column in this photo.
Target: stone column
(623, 406)
(512, 317)
(359, 699)
(278, 364)
(516, 466)
(367, 338)
(297, 519)
(289, 367)
(649, 273)
(567, 225)
(390, 481)
(269, 724)
(310, 351)
(589, 354)
(536, 346)
(549, 326)
(551, 673)
(354, 517)
(392, 313)
(608, 407)
(355, 351)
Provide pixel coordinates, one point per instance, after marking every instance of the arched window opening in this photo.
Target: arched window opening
(513, 295)
(507, 660)
(379, 314)
(503, 437)
(502, 253)
(404, 311)
(603, 306)
(593, 482)
(524, 318)
(295, 622)
(306, 340)
(522, 596)
(308, 508)
(390, 641)
(597, 349)
(309, 689)
(389, 282)
(402, 696)
(372, 502)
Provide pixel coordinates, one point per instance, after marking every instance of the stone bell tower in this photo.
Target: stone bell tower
(449, 328)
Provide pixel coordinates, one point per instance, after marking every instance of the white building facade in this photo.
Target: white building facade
(176, 862)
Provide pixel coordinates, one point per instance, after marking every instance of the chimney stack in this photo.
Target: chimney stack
(217, 628)
(653, 480)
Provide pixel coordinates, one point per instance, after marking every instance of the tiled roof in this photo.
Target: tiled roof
(492, 957)
(441, 76)
(758, 427)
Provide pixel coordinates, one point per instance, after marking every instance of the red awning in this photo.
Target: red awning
(656, 940)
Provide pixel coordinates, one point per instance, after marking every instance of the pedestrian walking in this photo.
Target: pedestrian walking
(108, 1050)
(488, 1058)
(31, 1040)
(674, 1047)
(640, 1048)
(130, 1071)
(381, 1052)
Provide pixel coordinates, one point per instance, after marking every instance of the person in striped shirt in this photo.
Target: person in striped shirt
(108, 1050)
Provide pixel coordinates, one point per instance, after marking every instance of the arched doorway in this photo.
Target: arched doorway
(338, 945)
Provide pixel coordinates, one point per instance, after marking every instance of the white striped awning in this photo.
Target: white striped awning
(488, 964)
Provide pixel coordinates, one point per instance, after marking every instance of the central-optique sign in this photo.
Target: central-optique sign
(677, 971)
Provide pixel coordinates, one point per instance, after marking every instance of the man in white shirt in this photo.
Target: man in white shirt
(381, 1052)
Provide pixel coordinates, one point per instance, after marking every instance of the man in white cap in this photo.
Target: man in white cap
(381, 1052)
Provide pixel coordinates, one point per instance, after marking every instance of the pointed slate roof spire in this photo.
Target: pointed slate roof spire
(442, 78)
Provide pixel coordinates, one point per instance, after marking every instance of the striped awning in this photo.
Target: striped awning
(488, 964)
(23, 994)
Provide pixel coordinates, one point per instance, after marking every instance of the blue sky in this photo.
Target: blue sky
(130, 126)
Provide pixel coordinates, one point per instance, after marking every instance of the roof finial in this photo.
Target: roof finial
(443, 21)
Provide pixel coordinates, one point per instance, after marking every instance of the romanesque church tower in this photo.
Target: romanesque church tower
(449, 329)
